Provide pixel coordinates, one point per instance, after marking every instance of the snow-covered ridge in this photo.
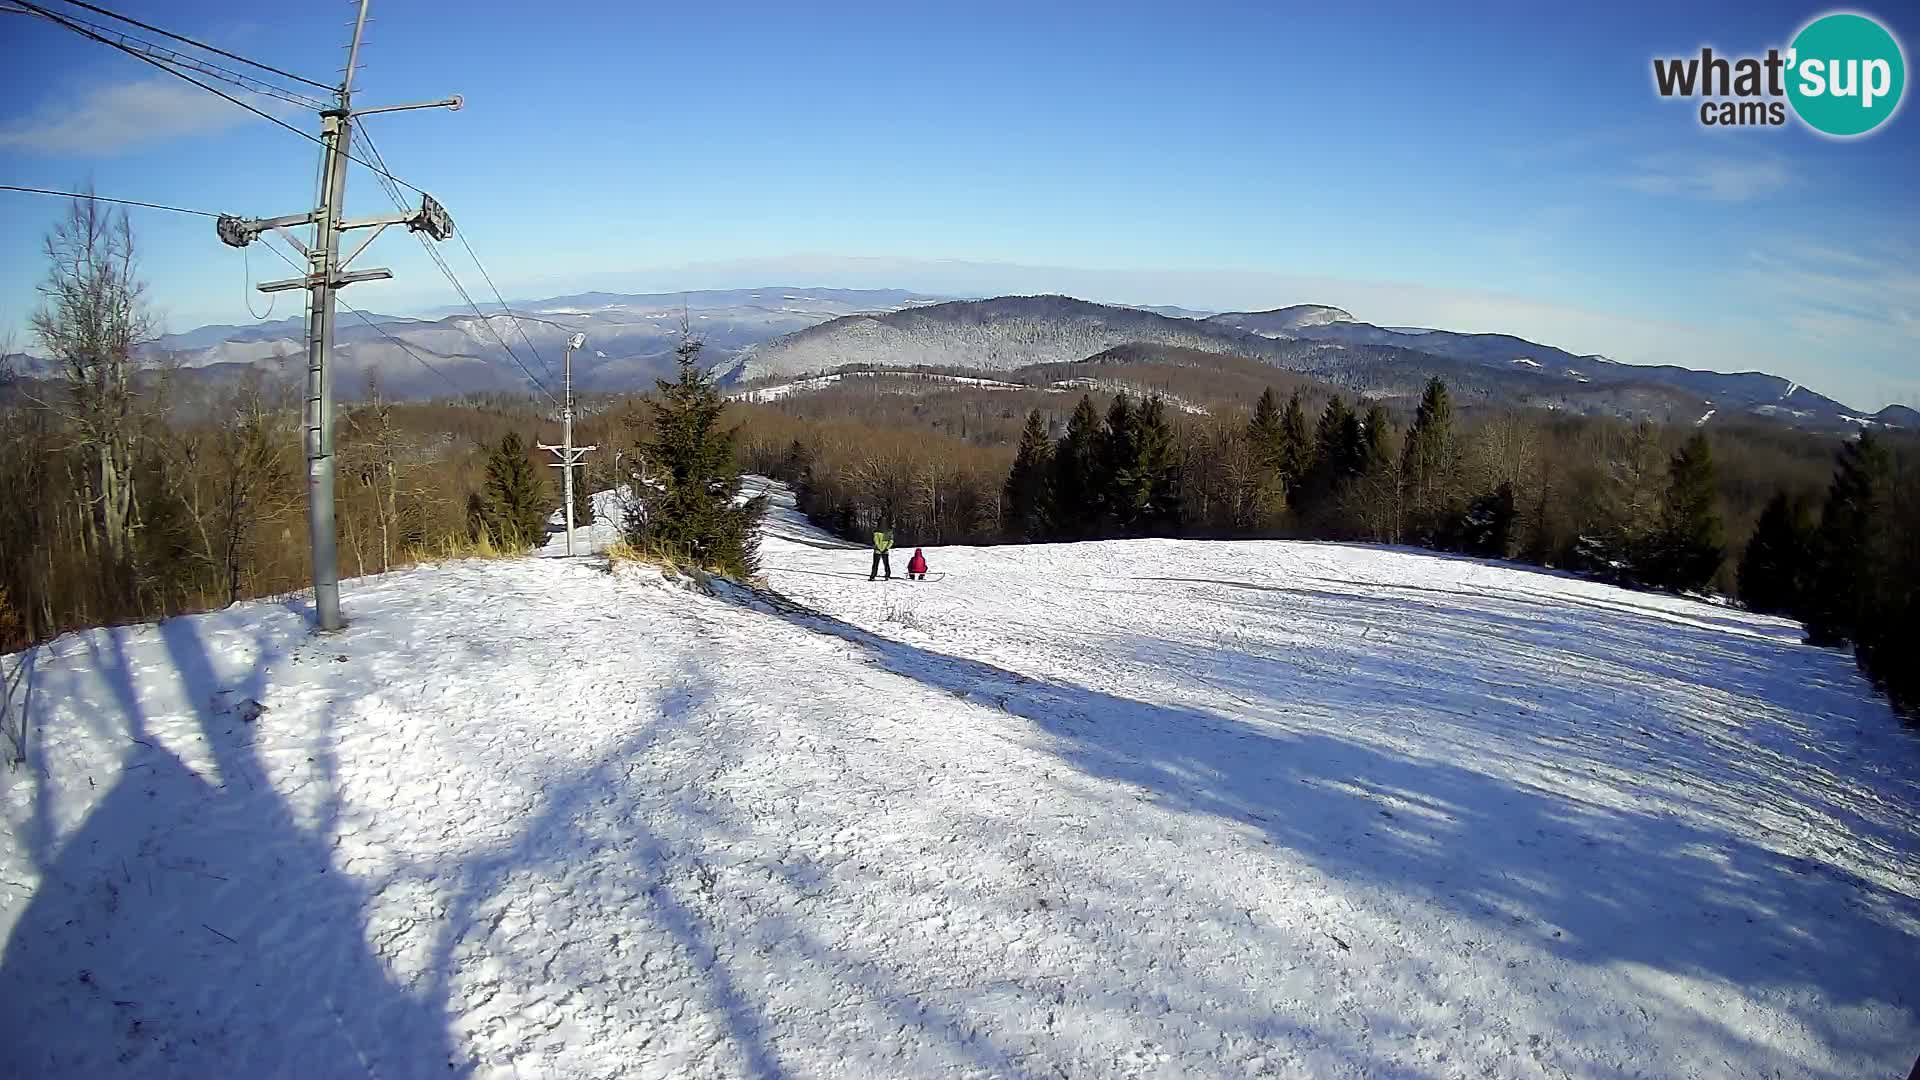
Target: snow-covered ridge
(904, 384)
(1134, 808)
(820, 382)
(1121, 385)
(465, 349)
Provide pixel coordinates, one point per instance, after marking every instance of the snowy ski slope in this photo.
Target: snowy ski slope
(1143, 808)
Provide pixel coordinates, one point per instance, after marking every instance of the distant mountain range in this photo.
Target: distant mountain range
(786, 332)
(1282, 321)
(1325, 342)
(630, 340)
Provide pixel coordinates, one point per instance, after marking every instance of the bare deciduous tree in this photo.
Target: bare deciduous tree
(254, 479)
(92, 317)
(374, 462)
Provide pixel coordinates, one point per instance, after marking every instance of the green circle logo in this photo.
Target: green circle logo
(1847, 74)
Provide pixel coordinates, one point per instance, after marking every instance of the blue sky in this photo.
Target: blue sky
(1484, 169)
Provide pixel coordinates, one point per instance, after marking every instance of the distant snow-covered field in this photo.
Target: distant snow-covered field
(778, 390)
(1137, 808)
(912, 381)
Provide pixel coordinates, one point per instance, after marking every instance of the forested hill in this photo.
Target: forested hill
(1010, 332)
(752, 335)
(1000, 334)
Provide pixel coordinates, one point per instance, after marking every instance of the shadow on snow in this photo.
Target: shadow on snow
(1591, 884)
(131, 906)
(173, 963)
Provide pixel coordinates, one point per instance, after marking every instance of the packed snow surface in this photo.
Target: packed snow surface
(1142, 808)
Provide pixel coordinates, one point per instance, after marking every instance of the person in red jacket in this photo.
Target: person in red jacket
(917, 566)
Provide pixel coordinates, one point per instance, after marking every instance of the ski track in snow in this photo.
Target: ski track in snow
(1135, 808)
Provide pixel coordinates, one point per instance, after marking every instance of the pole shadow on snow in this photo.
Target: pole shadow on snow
(146, 921)
(190, 925)
(1690, 610)
(16, 711)
(1651, 672)
(608, 838)
(556, 840)
(1545, 866)
(1635, 640)
(734, 917)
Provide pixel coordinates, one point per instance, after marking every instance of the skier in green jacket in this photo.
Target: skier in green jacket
(882, 543)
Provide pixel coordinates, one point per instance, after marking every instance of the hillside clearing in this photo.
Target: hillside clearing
(1138, 808)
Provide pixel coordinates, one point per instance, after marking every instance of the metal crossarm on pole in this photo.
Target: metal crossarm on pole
(568, 453)
(327, 274)
(326, 270)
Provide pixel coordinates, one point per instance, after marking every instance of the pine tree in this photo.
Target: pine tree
(1487, 529)
(1373, 499)
(1076, 491)
(515, 504)
(1891, 642)
(1690, 544)
(1776, 570)
(1267, 445)
(1847, 549)
(1296, 444)
(1119, 482)
(1028, 495)
(1429, 466)
(796, 468)
(1376, 433)
(582, 499)
(1335, 444)
(1353, 445)
(1266, 432)
(692, 509)
(1617, 544)
(1335, 455)
(1888, 638)
(1158, 469)
(1138, 476)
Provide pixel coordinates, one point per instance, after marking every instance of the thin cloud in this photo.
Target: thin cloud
(1380, 302)
(1712, 178)
(1830, 326)
(1813, 277)
(108, 120)
(1852, 312)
